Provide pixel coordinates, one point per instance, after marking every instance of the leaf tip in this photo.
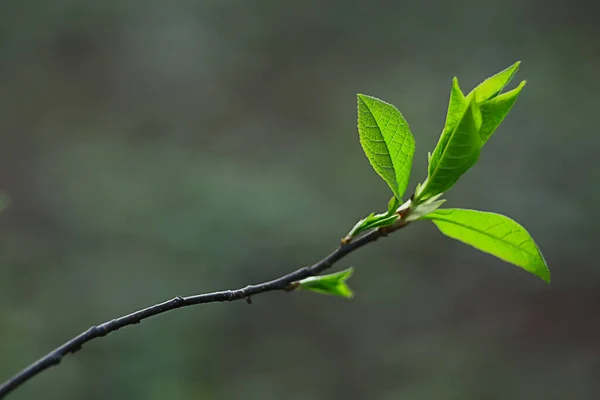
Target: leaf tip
(456, 86)
(547, 278)
(362, 97)
(513, 69)
(544, 272)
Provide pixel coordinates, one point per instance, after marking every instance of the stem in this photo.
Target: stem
(285, 283)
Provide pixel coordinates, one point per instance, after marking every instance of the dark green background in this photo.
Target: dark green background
(153, 149)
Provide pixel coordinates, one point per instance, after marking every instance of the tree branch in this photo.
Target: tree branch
(283, 283)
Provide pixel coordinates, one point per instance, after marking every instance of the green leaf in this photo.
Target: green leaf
(393, 204)
(495, 110)
(494, 234)
(386, 140)
(456, 108)
(372, 221)
(457, 150)
(332, 284)
(492, 86)
(357, 229)
(427, 207)
(465, 132)
(380, 220)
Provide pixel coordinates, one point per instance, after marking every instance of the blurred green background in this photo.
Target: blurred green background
(153, 149)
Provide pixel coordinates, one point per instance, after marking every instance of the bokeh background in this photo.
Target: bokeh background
(153, 149)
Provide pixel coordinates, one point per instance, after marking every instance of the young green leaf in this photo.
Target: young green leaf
(456, 108)
(455, 153)
(381, 220)
(333, 284)
(421, 210)
(495, 110)
(357, 228)
(492, 86)
(494, 234)
(386, 140)
(372, 221)
(393, 204)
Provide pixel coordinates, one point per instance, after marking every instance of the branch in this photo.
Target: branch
(283, 283)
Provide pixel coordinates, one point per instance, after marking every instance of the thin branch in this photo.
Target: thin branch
(283, 283)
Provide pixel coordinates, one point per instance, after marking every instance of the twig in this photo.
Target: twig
(287, 282)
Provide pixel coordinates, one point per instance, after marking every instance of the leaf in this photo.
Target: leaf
(381, 220)
(495, 110)
(393, 204)
(357, 228)
(332, 284)
(456, 108)
(493, 85)
(494, 234)
(386, 140)
(424, 208)
(455, 153)
(451, 157)
(372, 221)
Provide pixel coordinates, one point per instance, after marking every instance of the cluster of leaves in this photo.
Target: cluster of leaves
(389, 145)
